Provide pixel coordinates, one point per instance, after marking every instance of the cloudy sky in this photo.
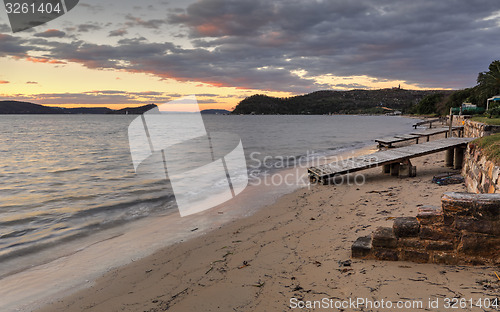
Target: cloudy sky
(126, 53)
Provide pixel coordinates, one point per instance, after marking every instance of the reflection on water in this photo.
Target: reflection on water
(63, 177)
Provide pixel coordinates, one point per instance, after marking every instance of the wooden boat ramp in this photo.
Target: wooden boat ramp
(395, 161)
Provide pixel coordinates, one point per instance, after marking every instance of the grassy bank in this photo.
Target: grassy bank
(488, 121)
(491, 146)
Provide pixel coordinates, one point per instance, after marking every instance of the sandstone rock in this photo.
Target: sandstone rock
(361, 247)
(415, 256)
(495, 174)
(384, 237)
(477, 226)
(476, 244)
(457, 203)
(411, 242)
(436, 233)
(429, 214)
(491, 189)
(448, 258)
(406, 227)
(487, 206)
(440, 245)
(385, 254)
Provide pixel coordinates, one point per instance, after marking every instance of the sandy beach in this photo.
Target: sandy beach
(294, 251)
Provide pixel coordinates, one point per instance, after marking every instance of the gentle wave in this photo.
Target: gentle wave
(67, 177)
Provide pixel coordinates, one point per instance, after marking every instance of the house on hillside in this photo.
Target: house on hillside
(496, 98)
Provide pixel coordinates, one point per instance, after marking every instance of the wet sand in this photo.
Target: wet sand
(292, 252)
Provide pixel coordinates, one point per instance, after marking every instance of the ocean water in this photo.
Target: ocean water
(68, 177)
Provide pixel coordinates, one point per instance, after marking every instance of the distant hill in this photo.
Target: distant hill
(133, 110)
(88, 110)
(17, 107)
(335, 102)
(216, 111)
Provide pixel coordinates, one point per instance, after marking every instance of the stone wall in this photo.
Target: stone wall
(481, 175)
(474, 129)
(464, 230)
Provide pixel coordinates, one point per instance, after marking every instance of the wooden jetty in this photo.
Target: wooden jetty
(395, 161)
(440, 119)
(387, 142)
(427, 133)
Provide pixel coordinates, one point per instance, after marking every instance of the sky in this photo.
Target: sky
(129, 53)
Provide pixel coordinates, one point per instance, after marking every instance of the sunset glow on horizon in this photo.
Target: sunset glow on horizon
(101, 55)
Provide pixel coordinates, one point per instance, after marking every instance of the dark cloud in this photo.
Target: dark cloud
(107, 92)
(218, 18)
(206, 101)
(132, 41)
(424, 42)
(118, 33)
(351, 86)
(282, 45)
(147, 93)
(137, 21)
(88, 27)
(31, 82)
(51, 33)
(98, 97)
(13, 46)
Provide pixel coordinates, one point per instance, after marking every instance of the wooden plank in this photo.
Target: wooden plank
(427, 121)
(384, 157)
(427, 132)
(407, 136)
(396, 139)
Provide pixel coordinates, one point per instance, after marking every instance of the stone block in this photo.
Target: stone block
(414, 256)
(491, 189)
(406, 227)
(448, 220)
(361, 247)
(487, 206)
(477, 244)
(470, 224)
(495, 174)
(384, 237)
(490, 166)
(440, 245)
(449, 258)
(385, 254)
(429, 214)
(476, 172)
(439, 233)
(411, 242)
(455, 203)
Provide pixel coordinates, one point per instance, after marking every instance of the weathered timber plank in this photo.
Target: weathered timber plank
(384, 157)
(406, 136)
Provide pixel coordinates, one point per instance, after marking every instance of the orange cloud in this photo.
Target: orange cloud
(44, 60)
(208, 29)
(4, 81)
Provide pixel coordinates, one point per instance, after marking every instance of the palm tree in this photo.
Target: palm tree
(489, 82)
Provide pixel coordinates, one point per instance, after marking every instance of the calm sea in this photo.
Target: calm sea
(67, 177)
